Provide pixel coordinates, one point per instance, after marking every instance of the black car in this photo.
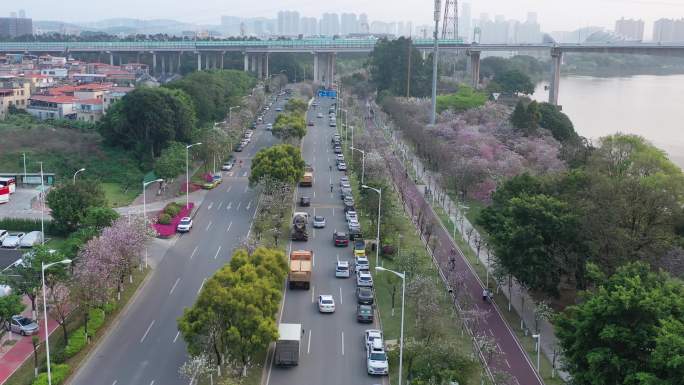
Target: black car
(304, 201)
(364, 295)
(364, 313)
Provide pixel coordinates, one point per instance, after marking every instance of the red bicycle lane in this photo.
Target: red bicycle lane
(22, 350)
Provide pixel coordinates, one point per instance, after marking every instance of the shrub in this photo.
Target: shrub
(26, 225)
(77, 341)
(172, 209)
(59, 374)
(164, 219)
(109, 307)
(96, 319)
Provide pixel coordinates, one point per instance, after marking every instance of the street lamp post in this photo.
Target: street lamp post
(187, 172)
(42, 206)
(24, 155)
(76, 173)
(377, 237)
(401, 333)
(363, 162)
(538, 338)
(145, 184)
(43, 267)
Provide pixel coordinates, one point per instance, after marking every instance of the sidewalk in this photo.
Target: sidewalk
(549, 341)
(12, 358)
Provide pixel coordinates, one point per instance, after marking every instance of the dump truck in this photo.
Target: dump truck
(299, 222)
(307, 179)
(287, 345)
(301, 262)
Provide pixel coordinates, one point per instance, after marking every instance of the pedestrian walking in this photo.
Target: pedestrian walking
(331, 187)
(330, 167)
(485, 294)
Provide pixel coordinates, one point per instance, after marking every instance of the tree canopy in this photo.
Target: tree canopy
(171, 162)
(290, 125)
(389, 68)
(514, 81)
(70, 203)
(282, 163)
(629, 330)
(526, 118)
(557, 122)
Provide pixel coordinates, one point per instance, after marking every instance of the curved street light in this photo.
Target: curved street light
(76, 173)
(187, 172)
(44, 267)
(401, 335)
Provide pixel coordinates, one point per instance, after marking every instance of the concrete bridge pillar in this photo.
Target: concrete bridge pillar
(246, 60)
(556, 60)
(199, 61)
(475, 67)
(163, 64)
(178, 65)
(267, 73)
(315, 68)
(111, 59)
(223, 55)
(154, 63)
(252, 63)
(260, 66)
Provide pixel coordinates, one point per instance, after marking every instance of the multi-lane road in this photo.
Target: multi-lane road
(144, 347)
(332, 344)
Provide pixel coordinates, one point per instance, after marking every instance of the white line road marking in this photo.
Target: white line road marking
(152, 383)
(193, 252)
(342, 343)
(176, 337)
(146, 331)
(174, 285)
(333, 211)
(211, 204)
(217, 252)
(314, 194)
(244, 174)
(229, 187)
(230, 205)
(238, 206)
(228, 229)
(256, 210)
(313, 259)
(313, 290)
(308, 344)
(208, 225)
(340, 295)
(219, 206)
(509, 365)
(499, 346)
(115, 381)
(491, 332)
(249, 204)
(201, 286)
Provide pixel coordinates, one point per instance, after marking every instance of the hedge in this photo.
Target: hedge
(59, 373)
(164, 219)
(26, 225)
(77, 340)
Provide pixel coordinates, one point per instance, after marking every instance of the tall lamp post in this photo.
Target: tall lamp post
(44, 267)
(76, 173)
(401, 333)
(187, 172)
(42, 206)
(377, 237)
(363, 162)
(538, 338)
(145, 184)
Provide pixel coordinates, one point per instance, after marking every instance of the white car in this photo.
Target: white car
(339, 157)
(279, 109)
(184, 225)
(227, 166)
(326, 303)
(13, 240)
(31, 239)
(361, 263)
(318, 222)
(351, 216)
(364, 278)
(269, 127)
(371, 335)
(342, 166)
(342, 269)
(376, 359)
(319, 115)
(3, 235)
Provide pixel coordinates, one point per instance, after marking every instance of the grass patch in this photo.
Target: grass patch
(466, 98)
(116, 196)
(24, 375)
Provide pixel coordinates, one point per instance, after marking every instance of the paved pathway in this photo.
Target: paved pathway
(439, 197)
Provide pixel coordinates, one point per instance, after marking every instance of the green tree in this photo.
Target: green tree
(99, 217)
(533, 117)
(282, 163)
(626, 331)
(526, 118)
(10, 305)
(70, 202)
(519, 116)
(171, 162)
(296, 106)
(515, 81)
(290, 125)
(146, 119)
(389, 68)
(557, 122)
(535, 238)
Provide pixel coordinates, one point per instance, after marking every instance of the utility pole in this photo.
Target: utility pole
(408, 72)
(434, 65)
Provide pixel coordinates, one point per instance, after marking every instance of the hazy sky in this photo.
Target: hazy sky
(553, 14)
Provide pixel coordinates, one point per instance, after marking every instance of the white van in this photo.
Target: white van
(31, 239)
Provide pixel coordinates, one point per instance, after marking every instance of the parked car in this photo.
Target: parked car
(279, 109)
(3, 235)
(345, 191)
(31, 239)
(310, 123)
(359, 247)
(364, 295)
(338, 149)
(364, 278)
(12, 240)
(184, 225)
(351, 215)
(376, 359)
(319, 222)
(348, 200)
(342, 269)
(319, 115)
(341, 166)
(269, 127)
(339, 157)
(364, 313)
(326, 303)
(22, 325)
(371, 335)
(333, 123)
(304, 201)
(344, 180)
(340, 239)
(239, 148)
(227, 166)
(361, 263)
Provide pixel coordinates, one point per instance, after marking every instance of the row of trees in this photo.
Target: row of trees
(233, 319)
(389, 68)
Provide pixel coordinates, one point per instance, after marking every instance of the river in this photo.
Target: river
(648, 105)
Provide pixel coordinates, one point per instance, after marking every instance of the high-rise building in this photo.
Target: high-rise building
(630, 29)
(330, 24)
(577, 36)
(308, 26)
(364, 25)
(22, 14)
(529, 31)
(668, 30)
(15, 26)
(464, 23)
(230, 25)
(348, 23)
(288, 23)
